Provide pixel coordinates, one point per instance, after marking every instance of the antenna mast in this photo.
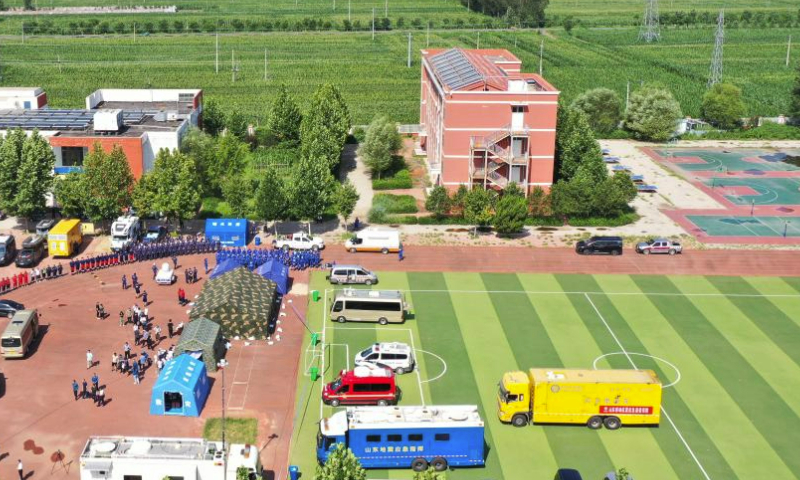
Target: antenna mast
(719, 41)
(650, 30)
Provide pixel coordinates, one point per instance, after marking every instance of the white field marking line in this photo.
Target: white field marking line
(674, 382)
(740, 223)
(347, 351)
(416, 369)
(767, 225)
(633, 364)
(654, 294)
(247, 383)
(440, 359)
(322, 365)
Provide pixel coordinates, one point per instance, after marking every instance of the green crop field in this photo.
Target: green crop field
(373, 76)
(728, 346)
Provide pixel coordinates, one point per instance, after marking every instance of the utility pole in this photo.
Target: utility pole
(715, 75)
(222, 364)
(408, 63)
(348, 11)
(428, 35)
(541, 56)
(233, 66)
(788, 50)
(216, 58)
(373, 23)
(23, 33)
(134, 32)
(386, 9)
(58, 58)
(334, 5)
(478, 41)
(627, 96)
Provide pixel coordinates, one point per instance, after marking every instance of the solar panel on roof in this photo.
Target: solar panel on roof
(454, 69)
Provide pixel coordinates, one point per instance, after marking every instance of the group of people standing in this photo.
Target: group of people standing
(98, 392)
(27, 277)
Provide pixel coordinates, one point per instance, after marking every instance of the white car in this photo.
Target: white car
(299, 241)
(395, 355)
(659, 245)
(166, 275)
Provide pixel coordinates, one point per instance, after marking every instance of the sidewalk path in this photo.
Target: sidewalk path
(353, 169)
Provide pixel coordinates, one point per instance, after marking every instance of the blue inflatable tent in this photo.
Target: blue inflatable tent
(231, 232)
(224, 267)
(181, 388)
(277, 272)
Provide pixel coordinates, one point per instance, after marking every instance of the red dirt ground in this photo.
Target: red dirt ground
(38, 410)
(38, 406)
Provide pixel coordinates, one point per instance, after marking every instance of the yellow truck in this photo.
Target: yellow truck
(65, 238)
(592, 397)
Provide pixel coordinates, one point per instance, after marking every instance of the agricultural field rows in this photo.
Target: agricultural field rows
(373, 76)
(725, 347)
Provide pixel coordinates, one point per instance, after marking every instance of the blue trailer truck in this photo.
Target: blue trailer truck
(406, 437)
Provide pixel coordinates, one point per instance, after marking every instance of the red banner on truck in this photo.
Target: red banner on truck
(626, 410)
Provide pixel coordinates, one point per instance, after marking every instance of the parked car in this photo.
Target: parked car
(44, 226)
(659, 245)
(341, 274)
(155, 234)
(608, 245)
(299, 241)
(34, 249)
(9, 307)
(395, 355)
(8, 249)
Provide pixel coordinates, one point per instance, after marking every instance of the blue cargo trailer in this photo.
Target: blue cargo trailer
(406, 437)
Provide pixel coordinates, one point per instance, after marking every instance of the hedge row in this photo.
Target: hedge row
(400, 180)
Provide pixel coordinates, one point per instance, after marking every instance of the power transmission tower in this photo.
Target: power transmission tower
(716, 61)
(650, 30)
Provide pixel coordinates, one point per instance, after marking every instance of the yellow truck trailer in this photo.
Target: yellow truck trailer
(65, 238)
(592, 397)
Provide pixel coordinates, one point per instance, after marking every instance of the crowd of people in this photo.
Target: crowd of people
(32, 276)
(254, 258)
(139, 252)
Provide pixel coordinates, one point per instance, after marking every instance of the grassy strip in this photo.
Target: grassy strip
(771, 416)
(394, 203)
(237, 430)
(400, 180)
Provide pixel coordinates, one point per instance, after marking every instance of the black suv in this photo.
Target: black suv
(611, 245)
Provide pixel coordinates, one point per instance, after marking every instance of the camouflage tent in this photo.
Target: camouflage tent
(240, 302)
(202, 335)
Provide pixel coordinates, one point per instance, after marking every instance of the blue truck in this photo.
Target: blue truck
(406, 437)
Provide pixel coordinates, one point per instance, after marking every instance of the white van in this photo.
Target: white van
(382, 306)
(124, 231)
(395, 355)
(382, 240)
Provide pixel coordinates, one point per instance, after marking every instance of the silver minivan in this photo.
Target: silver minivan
(344, 274)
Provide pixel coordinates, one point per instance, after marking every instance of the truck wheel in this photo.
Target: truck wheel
(353, 250)
(286, 248)
(314, 248)
(612, 423)
(334, 281)
(399, 370)
(595, 422)
(439, 464)
(419, 465)
(383, 403)
(519, 420)
(341, 319)
(383, 321)
(672, 251)
(334, 403)
(384, 251)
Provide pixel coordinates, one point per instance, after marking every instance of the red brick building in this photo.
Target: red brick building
(483, 122)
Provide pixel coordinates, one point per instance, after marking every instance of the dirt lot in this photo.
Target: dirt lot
(41, 417)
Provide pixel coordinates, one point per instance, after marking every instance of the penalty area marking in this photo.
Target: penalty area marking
(658, 359)
(444, 365)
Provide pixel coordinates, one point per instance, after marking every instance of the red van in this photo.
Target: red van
(364, 385)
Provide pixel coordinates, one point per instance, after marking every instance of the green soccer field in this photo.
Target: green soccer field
(728, 346)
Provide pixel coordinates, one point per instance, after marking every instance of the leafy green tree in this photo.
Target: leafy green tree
(213, 118)
(458, 199)
(283, 124)
(576, 147)
(652, 114)
(380, 145)
(236, 124)
(341, 465)
(510, 214)
(143, 197)
(794, 108)
(10, 162)
(611, 197)
(107, 183)
(323, 130)
(242, 473)
(312, 188)
(35, 176)
(539, 202)
(345, 200)
(235, 192)
(230, 158)
(171, 188)
(723, 106)
(513, 189)
(202, 148)
(438, 201)
(602, 107)
(430, 474)
(572, 198)
(70, 194)
(479, 206)
(270, 197)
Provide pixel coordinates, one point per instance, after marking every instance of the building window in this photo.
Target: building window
(373, 438)
(442, 437)
(72, 156)
(517, 108)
